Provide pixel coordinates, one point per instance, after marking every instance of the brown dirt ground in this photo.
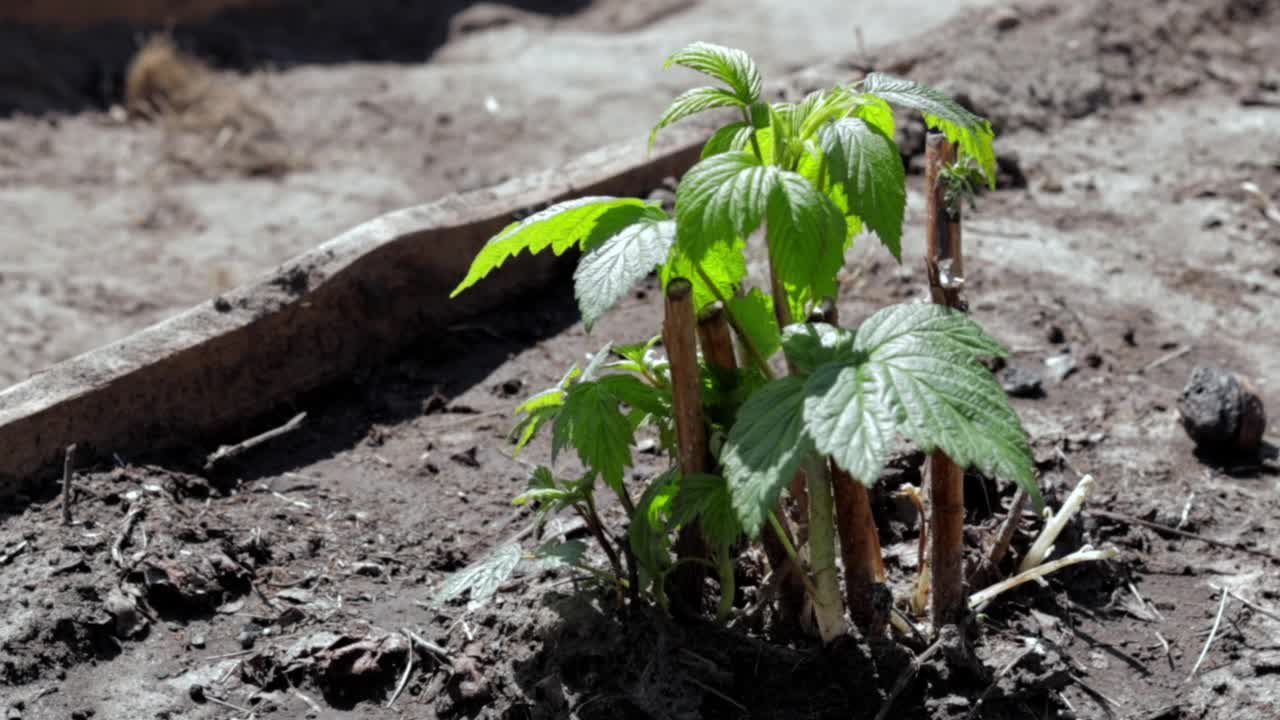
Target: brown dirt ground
(1129, 240)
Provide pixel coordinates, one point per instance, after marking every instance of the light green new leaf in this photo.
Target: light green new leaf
(724, 263)
(482, 578)
(876, 111)
(721, 198)
(536, 411)
(806, 234)
(574, 223)
(811, 345)
(915, 371)
(754, 312)
(972, 132)
(594, 425)
(609, 269)
(865, 162)
(732, 67)
(764, 449)
(692, 102)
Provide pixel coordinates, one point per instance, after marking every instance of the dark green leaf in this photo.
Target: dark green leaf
(721, 198)
(764, 449)
(914, 370)
(734, 136)
(810, 345)
(594, 425)
(608, 270)
(806, 233)
(707, 498)
(865, 162)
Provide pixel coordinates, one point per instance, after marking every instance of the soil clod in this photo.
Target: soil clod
(1221, 412)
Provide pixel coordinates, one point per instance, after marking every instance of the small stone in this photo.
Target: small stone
(1051, 185)
(1005, 19)
(1210, 222)
(221, 304)
(368, 569)
(1020, 382)
(664, 198)
(1060, 366)
(198, 641)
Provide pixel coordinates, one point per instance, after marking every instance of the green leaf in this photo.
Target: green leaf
(806, 233)
(692, 102)
(581, 222)
(877, 112)
(734, 136)
(537, 411)
(754, 312)
(734, 68)
(724, 263)
(764, 449)
(914, 370)
(608, 270)
(821, 107)
(811, 345)
(721, 198)
(865, 162)
(554, 555)
(636, 393)
(706, 497)
(972, 132)
(482, 578)
(594, 425)
(647, 534)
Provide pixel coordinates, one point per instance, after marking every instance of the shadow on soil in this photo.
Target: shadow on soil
(45, 69)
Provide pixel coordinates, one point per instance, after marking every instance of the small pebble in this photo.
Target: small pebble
(198, 641)
(1020, 382)
(1221, 412)
(1060, 366)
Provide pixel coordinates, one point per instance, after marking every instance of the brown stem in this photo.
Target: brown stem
(717, 349)
(680, 337)
(945, 266)
(859, 549)
(716, 338)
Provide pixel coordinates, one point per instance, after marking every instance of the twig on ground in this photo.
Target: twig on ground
(8, 557)
(1213, 633)
(1251, 605)
(117, 546)
(408, 670)
(1010, 526)
(1169, 357)
(1142, 602)
(973, 711)
(467, 418)
(741, 708)
(1168, 651)
(229, 705)
(68, 467)
(227, 452)
(315, 706)
(1107, 703)
(905, 678)
(227, 656)
(1085, 554)
(440, 653)
(1186, 511)
(1118, 517)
